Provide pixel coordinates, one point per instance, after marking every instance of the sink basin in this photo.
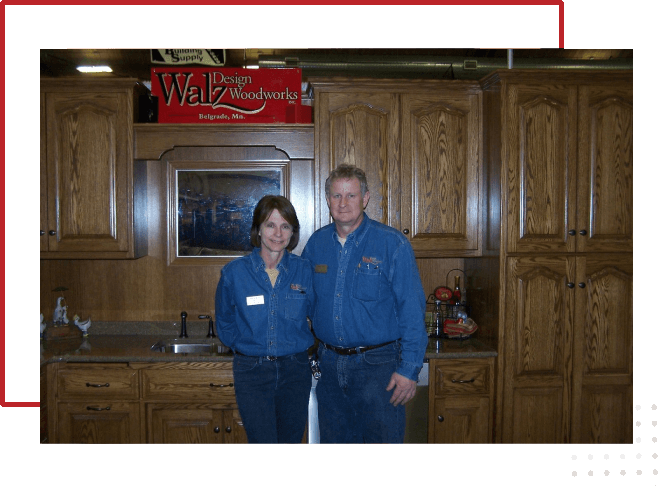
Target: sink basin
(190, 346)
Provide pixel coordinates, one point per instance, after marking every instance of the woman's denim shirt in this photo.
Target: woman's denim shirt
(257, 319)
(369, 291)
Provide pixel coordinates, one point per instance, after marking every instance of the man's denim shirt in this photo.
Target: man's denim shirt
(369, 291)
(258, 319)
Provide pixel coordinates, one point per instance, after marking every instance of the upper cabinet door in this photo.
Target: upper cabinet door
(89, 171)
(605, 168)
(441, 172)
(362, 129)
(93, 195)
(540, 150)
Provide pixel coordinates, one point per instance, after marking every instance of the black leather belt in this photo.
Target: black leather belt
(267, 358)
(356, 349)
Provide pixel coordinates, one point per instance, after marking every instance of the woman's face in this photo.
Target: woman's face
(275, 233)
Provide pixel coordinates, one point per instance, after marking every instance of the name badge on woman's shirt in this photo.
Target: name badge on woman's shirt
(255, 300)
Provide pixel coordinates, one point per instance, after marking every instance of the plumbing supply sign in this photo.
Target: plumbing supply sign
(227, 95)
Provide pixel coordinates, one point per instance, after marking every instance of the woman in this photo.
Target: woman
(262, 303)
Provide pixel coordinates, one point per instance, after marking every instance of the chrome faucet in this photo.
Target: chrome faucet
(183, 333)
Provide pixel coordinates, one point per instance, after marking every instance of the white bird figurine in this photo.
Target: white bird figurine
(84, 325)
(60, 314)
(43, 324)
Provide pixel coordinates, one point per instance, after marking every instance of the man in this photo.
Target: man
(369, 318)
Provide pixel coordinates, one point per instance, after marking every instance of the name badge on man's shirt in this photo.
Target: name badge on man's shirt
(321, 268)
(255, 300)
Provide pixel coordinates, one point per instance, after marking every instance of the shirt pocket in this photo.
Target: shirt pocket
(366, 283)
(296, 305)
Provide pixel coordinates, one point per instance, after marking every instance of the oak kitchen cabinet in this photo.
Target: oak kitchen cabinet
(94, 403)
(191, 403)
(92, 194)
(461, 393)
(419, 143)
(110, 403)
(568, 366)
(560, 152)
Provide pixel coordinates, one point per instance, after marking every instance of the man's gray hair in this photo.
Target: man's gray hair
(346, 171)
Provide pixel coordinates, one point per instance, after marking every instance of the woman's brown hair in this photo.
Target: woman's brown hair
(263, 210)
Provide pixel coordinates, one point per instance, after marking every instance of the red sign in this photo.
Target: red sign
(227, 95)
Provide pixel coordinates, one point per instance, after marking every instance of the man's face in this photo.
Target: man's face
(346, 203)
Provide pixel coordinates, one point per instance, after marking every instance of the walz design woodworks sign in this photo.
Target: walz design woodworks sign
(227, 95)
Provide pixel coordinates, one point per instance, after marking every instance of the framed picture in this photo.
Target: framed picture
(211, 205)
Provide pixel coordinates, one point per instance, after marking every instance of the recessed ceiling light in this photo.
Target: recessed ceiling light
(94, 69)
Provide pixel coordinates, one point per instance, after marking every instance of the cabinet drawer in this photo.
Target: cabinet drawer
(97, 381)
(461, 377)
(216, 384)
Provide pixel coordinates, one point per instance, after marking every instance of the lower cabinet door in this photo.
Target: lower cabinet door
(460, 420)
(99, 423)
(190, 423)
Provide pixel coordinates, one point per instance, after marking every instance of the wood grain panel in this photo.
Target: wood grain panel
(605, 208)
(602, 379)
(440, 204)
(542, 164)
(538, 349)
(441, 170)
(88, 156)
(540, 316)
(359, 136)
(606, 415)
(538, 416)
(609, 321)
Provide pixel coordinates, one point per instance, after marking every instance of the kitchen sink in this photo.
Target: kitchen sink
(190, 346)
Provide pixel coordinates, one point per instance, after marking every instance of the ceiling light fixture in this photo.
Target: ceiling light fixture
(94, 69)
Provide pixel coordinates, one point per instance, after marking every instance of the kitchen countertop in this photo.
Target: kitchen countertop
(119, 349)
(132, 348)
(458, 348)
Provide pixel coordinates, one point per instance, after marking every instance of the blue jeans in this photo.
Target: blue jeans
(354, 406)
(273, 397)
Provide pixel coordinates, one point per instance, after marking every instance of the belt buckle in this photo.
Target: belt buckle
(270, 358)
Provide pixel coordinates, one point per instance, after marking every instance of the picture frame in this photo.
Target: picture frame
(210, 207)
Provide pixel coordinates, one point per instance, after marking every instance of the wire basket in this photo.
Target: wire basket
(439, 312)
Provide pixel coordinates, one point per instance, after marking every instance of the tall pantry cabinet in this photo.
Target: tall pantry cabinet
(560, 149)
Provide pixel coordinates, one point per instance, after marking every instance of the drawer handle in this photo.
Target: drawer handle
(98, 409)
(221, 385)
(440, 418)
(464, 381)
(97, 386)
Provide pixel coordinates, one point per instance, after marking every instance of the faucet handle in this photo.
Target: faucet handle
(183, 333)
(211, 333)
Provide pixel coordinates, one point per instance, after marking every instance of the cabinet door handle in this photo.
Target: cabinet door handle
(406, 231)
(228, 429)
(441, 418)
(464, 381)
(581, 285)
(98, 409)
(97, 386)
(583, 232)
(42, 232)
(572, 232)
(52, 232)
(571, 285)
(216, 430)
(222, 385)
